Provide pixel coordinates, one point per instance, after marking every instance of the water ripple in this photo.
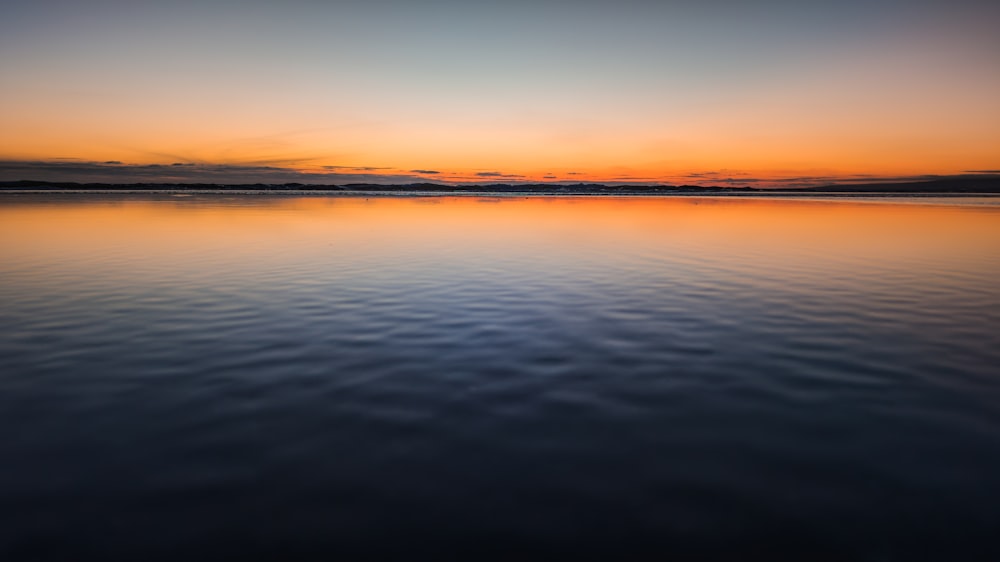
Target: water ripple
(572, 377)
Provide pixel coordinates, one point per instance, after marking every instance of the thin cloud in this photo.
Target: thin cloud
(357, 168)
(740, 180)
(100, 172)
(726, 172)
(424, 172)
(497, 175)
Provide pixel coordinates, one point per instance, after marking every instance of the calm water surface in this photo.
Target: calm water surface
(245, 377)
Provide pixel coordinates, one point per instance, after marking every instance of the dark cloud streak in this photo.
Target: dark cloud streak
(497, 175)
(99, 172)
(115, 172)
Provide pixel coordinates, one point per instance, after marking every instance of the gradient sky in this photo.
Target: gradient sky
(683, 91)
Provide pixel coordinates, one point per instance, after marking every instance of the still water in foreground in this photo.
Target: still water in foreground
(278, 377)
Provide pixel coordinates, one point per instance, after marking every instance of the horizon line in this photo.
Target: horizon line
(113, 172)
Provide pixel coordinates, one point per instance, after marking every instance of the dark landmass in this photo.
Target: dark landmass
(542, 188)
(974, 184)
(960, 184)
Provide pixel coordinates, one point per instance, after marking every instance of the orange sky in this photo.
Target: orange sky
(661, 94)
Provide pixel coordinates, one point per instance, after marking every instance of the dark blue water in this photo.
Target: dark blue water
(248, 377)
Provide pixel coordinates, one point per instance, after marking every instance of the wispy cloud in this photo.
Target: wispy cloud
(497, 175)
(182, 172)
(358, 168)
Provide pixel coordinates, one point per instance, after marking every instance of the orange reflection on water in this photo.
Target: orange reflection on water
(250, 232)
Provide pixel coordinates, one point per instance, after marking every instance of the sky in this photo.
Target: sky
(711, 92)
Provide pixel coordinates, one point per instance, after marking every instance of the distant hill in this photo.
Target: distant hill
(955, 184)
(579, 188)
(980, 183)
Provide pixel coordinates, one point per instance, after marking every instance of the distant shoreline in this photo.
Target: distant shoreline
(960, 186)
(768, 194)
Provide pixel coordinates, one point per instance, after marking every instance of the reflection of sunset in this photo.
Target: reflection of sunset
(274, 230)
(337, 279)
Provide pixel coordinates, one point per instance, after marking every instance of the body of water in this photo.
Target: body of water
(248, 376)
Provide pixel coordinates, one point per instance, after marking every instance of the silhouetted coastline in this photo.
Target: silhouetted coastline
(962, 185)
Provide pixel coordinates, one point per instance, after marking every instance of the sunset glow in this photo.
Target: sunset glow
(650, 92)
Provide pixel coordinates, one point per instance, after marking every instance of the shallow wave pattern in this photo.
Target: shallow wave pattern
(559, 378)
